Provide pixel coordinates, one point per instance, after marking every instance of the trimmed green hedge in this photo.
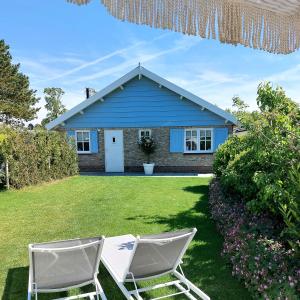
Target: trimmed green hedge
(36, 156)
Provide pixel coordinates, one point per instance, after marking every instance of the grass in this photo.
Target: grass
(89, 206)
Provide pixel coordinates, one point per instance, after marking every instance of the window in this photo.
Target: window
(83, 141)
(144, 133)
(191, 140)
(198, 140)
(205, 139)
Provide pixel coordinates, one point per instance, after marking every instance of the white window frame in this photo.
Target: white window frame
(198, 140)
(83, 152)
(144, 129)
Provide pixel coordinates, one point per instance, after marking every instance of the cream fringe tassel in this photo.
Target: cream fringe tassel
(231, 21)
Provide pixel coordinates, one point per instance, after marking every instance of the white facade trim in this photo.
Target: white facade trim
(198, 140)
(83, 152)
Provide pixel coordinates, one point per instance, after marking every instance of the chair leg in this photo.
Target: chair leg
(136, 294)
(195, 289)
(125, 291)
(29, 289)
(99, 290)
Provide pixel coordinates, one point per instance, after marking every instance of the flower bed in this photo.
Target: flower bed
(268, 269)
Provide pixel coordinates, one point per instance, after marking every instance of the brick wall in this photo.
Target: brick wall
(134, 157)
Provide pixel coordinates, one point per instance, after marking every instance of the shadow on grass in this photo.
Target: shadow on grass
(203, 263)
(17, 283)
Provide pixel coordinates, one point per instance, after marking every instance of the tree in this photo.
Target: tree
(240, 111)
(17, 100)
(240, 104)
(262, 167)
(53, 105)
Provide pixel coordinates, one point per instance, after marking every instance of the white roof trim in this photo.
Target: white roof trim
(137, 72)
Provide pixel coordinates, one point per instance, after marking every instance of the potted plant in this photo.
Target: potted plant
(148, 146)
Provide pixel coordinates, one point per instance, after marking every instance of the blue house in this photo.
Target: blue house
(107, 126)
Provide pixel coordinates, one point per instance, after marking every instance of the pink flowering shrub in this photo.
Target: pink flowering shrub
(269, 269)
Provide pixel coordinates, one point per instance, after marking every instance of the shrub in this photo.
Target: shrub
(227, 152)
(37, 156)
(255, 200)
(255, 168)
(148, 146)
(268, 269)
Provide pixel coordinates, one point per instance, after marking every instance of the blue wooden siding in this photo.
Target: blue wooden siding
(177, 140)
(143, 104)
(220, 136)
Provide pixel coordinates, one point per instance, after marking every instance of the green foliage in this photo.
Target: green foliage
(17, 100)
(255, 167)
(268, 269)
(37, 156)
(291, 212)
(227, 152)
(53, 105)
(148, 146)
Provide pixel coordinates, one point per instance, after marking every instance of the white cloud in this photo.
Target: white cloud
(37, 70)
(142, 57)
(86, 64)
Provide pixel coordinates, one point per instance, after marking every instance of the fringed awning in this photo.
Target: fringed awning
(273, 26)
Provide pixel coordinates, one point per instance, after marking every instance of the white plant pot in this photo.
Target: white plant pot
(148, 168)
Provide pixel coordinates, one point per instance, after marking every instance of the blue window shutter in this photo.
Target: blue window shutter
(71, 134)
(220, 136)
(176, 139)
(94, 141)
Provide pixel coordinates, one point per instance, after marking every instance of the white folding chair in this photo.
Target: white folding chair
(130, 259)
(63, 265)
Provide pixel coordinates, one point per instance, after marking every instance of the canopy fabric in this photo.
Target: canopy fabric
(273, 26)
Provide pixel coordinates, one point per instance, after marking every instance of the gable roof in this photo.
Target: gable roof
(141, 71)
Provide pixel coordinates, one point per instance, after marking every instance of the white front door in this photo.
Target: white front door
(114, 151)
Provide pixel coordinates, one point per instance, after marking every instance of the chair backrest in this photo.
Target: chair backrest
(159, 254)
(64, 264)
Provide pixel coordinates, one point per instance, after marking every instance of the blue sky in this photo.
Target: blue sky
(62, 45)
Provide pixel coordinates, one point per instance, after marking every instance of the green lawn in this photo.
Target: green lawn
(89, 206)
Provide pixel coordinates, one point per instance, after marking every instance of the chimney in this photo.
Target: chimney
(89, 92)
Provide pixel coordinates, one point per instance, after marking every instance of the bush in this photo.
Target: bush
(255, 200)
(268, 269)
(37, 156)
(255, 167)
(148, 146)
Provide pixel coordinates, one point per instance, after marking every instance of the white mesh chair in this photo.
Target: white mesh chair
(63, 265)
(130, 259)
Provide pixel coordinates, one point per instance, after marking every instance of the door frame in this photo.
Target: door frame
(122, 152)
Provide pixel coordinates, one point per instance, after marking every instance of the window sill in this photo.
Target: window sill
(198, 153)
(85, 152)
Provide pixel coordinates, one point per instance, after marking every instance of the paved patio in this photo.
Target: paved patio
(134, 174)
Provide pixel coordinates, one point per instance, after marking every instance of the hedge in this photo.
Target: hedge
(262, 168)
(268, 269)
(256, 201)
(36, 156)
